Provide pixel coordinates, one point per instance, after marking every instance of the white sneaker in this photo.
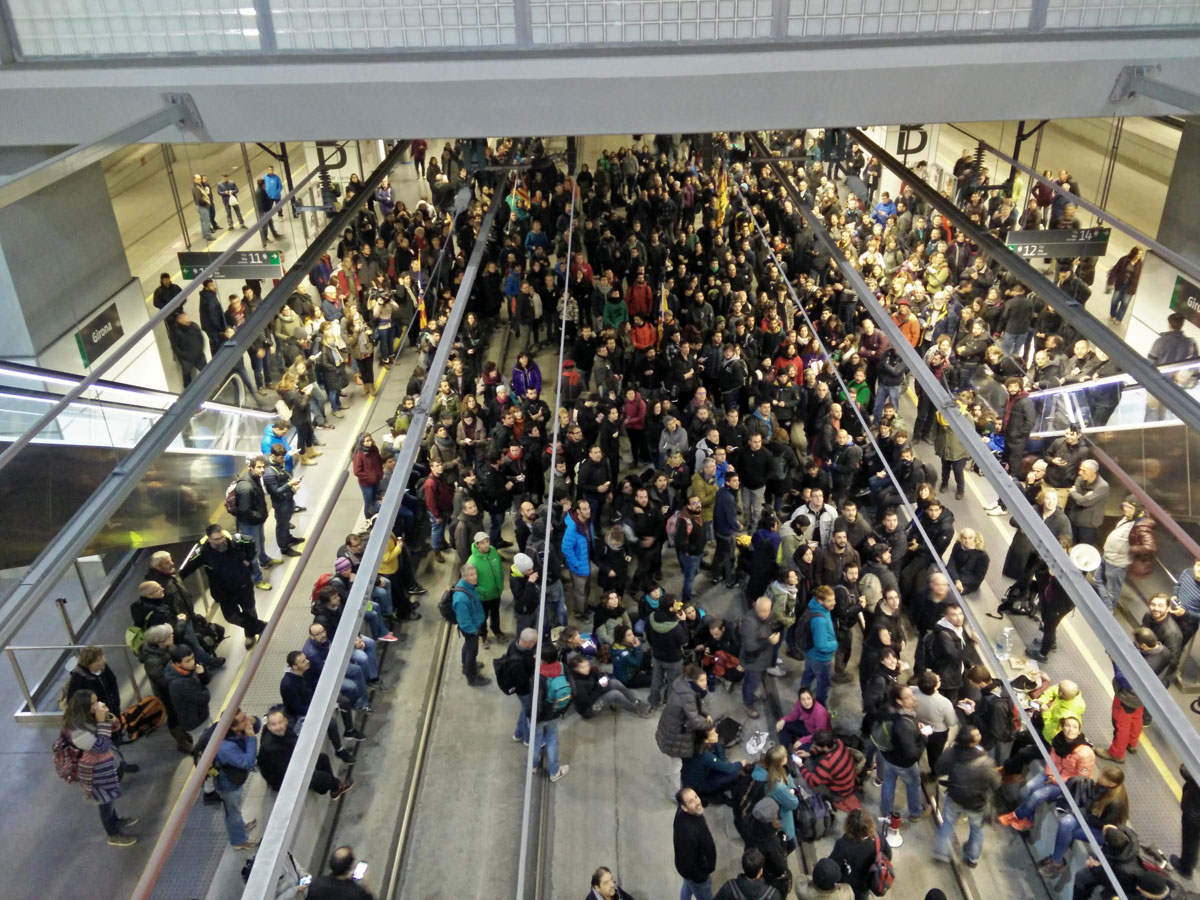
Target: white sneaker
(561, 773)
(777, 671)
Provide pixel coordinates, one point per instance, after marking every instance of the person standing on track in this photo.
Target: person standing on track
(469, 616)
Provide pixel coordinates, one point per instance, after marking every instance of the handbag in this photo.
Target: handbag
(283, 411)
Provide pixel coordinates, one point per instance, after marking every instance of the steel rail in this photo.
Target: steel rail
(1170, 394)
(531, 755)
(281, 828)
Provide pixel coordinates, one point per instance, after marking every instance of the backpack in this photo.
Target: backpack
(557, 696)
(924, 654)
(142, 718)
(446, 606)
(505, 669)
(322, 581)
(135, 639)
(746, 793)
(881, 734)
(814, 816)
(1003, 723)
(66, 758)
(673, 521)
(231, 497)
(804, 635)
(881, 874)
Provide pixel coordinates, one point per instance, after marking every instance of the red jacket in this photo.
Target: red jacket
(439, 496)
(644, 336)
(368, 465)
(639, 300)
(635, 413)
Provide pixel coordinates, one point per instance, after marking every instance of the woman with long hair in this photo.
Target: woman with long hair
(88, 725)
(299, 415)
(856, 849)
(1103, 802)
(771, 769)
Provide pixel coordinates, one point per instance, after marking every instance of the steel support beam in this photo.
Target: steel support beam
(1175, 725)
(179, 111)
(1171, 395)
(1135, 81)
(281, 828)
(50, 565)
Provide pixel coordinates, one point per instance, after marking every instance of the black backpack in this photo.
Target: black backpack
(507, 669)
(814, 815)
(746, 793)
(446, 606)
(804, 635)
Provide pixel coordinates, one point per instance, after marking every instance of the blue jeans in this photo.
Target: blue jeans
(205, 222)
(546, 737)
(1121, 298)
(691, 567)
(235, 827)
(1111, 580)
(366, 658)
(820, 671)
(1039, 790)
(951, 813)
(109, 818)
(495, 523)
(438, 530)
(885, 392)
(911, 776)
(522, 732)
(370, 494)
(386, 342)
(260, 538)
(701, 890)
(749, 685)
(192, 640)
(381, 596)
(1070, 830)
(556, 599)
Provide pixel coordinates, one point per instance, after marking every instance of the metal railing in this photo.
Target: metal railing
(29, 714)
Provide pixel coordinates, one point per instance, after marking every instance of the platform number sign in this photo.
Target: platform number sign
(245, 264)
(1076, 243)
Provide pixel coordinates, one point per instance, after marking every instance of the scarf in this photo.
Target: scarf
(1064, 747)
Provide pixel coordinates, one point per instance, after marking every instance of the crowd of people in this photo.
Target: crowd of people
(711, 417)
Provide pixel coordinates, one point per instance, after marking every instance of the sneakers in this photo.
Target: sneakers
(644, 711)
(1177, 865)
(250, 825)
(958, 495)
(1104, 754)
(923, 814)
(215, 663)
(121, 840)
(1012, 820)
(273, 561)
(778, 671)
(127, 822)
(263, 585)
(353, 734)
(343, 788)
(418, 589)
(346, 756)
(291, 551)
(387, 638)
(561, 773)
(1050, 866)
(752, 712)
(248, 844)
(478, 681)
(996, 511)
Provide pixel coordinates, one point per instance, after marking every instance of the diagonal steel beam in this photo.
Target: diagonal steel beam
(1171, 395)
(281, 827)
(1176, 727)
(180, 110)
(42, 576)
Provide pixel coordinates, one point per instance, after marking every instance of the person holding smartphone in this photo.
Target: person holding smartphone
(347, 879)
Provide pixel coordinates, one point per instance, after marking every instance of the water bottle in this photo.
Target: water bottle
(1004, 644)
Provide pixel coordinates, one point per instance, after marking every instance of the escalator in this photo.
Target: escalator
(52, 477)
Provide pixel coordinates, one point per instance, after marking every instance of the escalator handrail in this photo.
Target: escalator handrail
(1124, 379)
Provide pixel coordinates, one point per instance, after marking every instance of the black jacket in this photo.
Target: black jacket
(189, 696)
(907, 741)
(856, 859)
(296, 692)
(973, 776)
(229, 572)
(103, 684)
(743, 888)
(251, 500)
(187, 343)
(695, 852)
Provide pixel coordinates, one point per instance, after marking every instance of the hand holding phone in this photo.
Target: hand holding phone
(359, 872)
(305, 880)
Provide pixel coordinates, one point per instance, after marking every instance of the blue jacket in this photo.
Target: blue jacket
(695, 770)
(725, 521)
(781, 794)
(468, 609)
(239, 752)
(576, 547)
(824, 637)
(626, 663)
(273, 185)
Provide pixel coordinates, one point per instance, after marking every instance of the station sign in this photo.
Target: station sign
(1060, 243)
(1185, 300)
(243, 265)
(99, 334)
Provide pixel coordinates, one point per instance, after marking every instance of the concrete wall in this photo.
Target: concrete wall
(60, 255)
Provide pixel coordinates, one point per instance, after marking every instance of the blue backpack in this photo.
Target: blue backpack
(558, 693)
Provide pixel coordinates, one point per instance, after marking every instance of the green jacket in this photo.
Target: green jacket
(491, 573)
(946, 443)
(1058, 710)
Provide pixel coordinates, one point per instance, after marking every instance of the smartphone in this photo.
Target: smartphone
(360, 871)
(305, 880)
